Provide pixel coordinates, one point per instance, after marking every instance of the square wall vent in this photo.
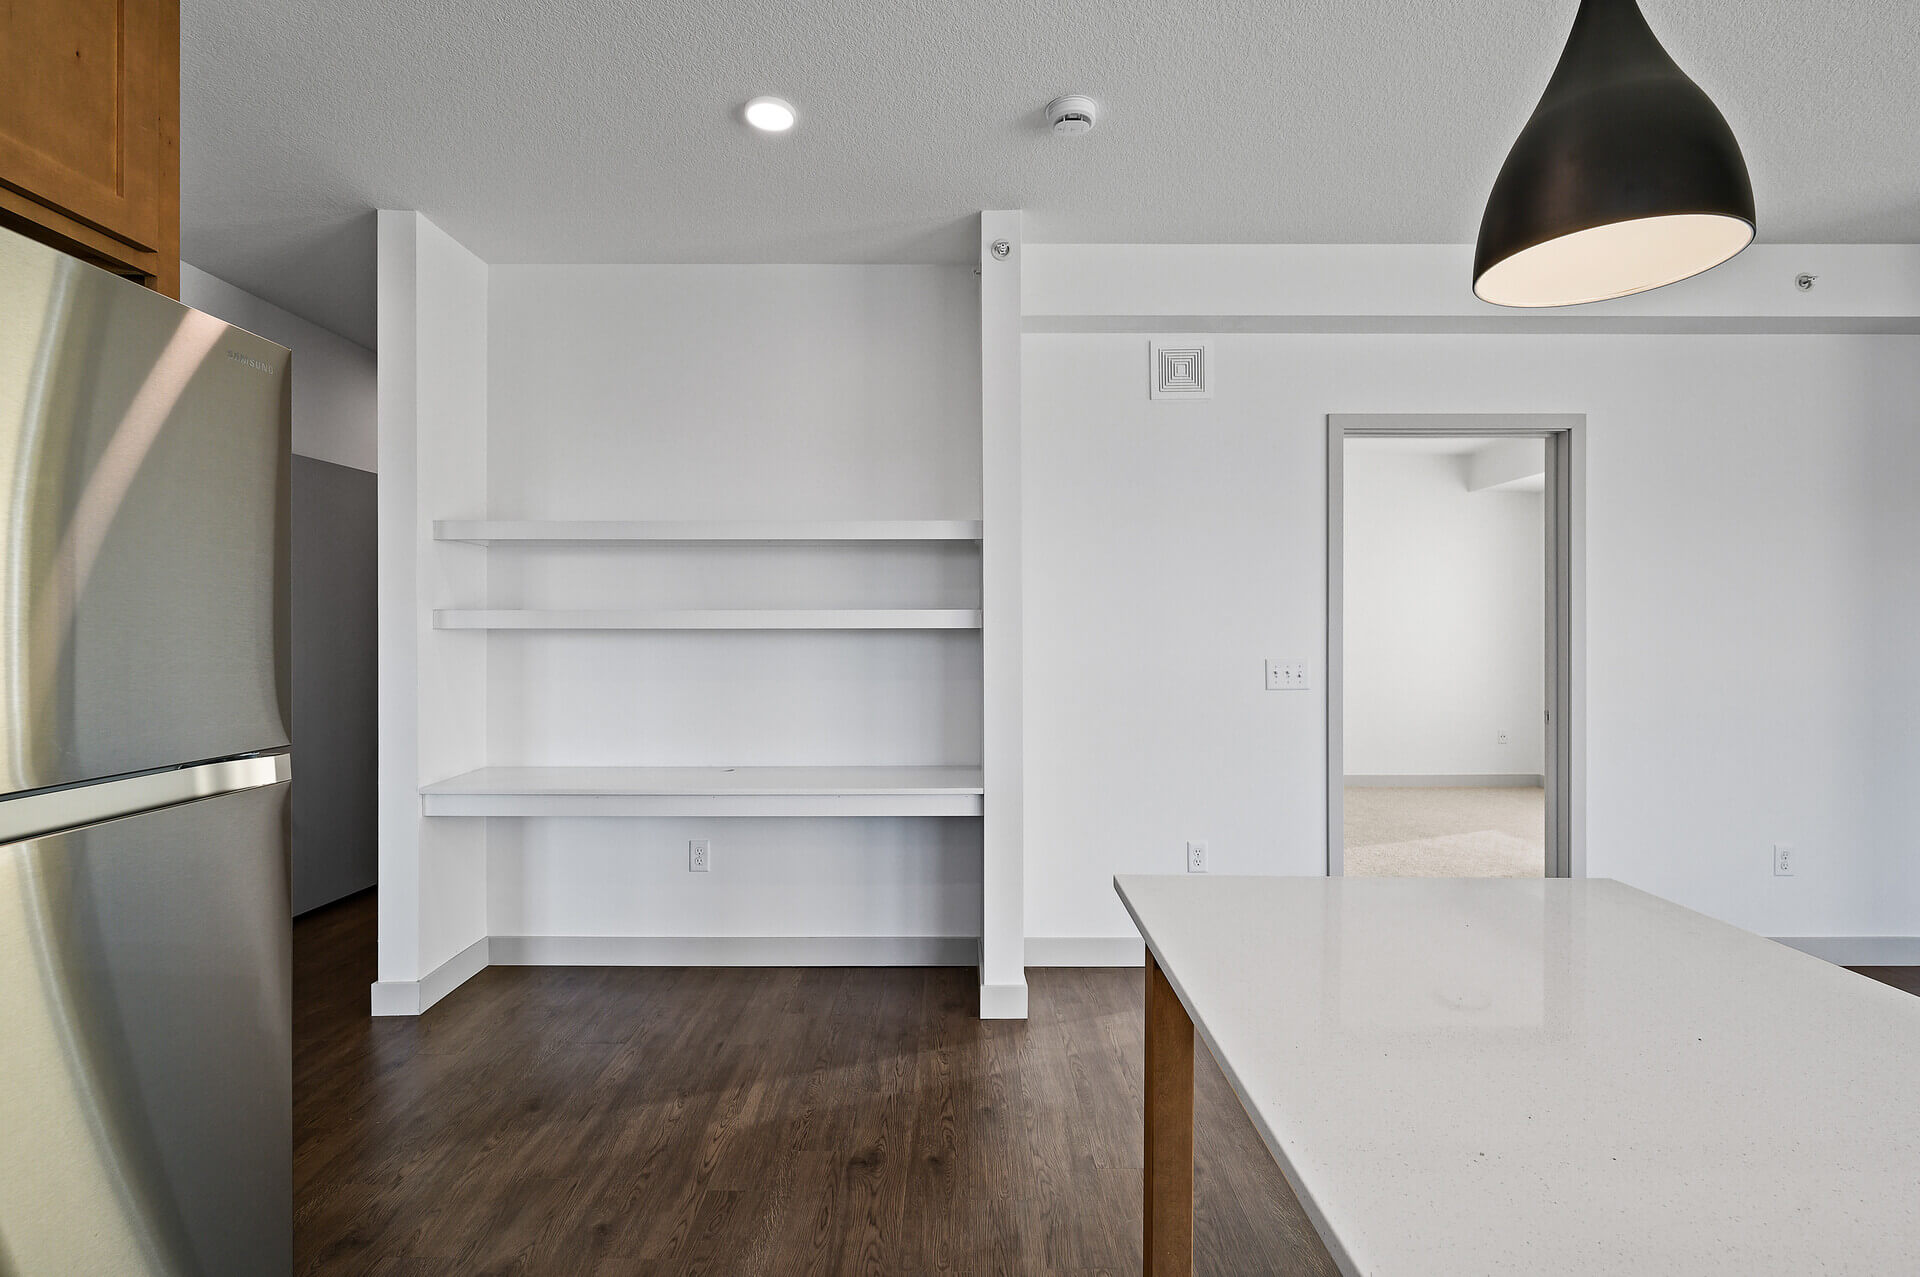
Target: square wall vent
(1182, 368)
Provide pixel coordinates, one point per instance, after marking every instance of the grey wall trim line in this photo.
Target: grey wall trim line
(735, 951)
(1859, 951)
(1456, 424)
(1502, 780)
(335, 707)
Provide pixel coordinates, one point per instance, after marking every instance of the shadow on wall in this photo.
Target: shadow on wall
(335, 703)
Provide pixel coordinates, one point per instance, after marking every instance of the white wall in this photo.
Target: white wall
(1751, 583)
(334, 408)
(1445, 621)
(733, 392)
(1753, 589)
(433, 684)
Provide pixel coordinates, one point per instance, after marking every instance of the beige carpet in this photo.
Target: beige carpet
(1445, 833)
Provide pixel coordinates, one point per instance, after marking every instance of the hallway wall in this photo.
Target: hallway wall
(1445, 605)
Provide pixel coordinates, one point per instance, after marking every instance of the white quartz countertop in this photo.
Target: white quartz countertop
(1547, 1077)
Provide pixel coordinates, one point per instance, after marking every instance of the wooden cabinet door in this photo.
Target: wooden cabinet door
(89, 123)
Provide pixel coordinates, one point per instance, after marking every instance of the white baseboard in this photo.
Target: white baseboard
(411, 997)
(1003, 1001)
(1501, 780)
(735, 951)
(997, 1001)
(1086, 951)
(396, 997)
(1859, 951)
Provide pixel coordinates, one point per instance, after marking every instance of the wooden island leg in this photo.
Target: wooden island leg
(1169, 1153)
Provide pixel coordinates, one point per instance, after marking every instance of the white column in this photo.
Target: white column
(433, 461)
(1003, 973)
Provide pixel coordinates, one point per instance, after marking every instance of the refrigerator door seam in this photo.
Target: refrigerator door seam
(52, 812)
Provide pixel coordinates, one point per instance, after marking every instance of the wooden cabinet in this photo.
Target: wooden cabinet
(89, 131)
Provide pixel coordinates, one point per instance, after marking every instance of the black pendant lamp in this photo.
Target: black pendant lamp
(1626, 178)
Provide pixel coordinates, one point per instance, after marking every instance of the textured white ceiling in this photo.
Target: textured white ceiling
(606, 130)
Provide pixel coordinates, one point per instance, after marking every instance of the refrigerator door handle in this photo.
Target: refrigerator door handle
(51, 811)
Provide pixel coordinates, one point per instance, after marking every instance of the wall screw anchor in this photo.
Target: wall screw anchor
(1001, 249)
(1804, 282)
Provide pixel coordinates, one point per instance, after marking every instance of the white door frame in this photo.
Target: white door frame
(1566, 619)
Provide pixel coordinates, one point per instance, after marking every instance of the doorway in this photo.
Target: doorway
(1454, 656)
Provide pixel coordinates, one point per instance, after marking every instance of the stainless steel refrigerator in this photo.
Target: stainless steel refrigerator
(145, 977)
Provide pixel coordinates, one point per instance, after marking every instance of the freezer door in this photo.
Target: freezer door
(143, 528)
(145, 1062)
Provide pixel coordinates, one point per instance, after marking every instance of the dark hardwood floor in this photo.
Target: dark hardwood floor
(605, 1121)
(1904, 978)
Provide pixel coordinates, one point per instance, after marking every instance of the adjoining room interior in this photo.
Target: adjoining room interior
(1444, 681)
(823, 638)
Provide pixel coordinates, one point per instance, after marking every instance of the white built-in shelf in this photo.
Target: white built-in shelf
(707, 791)
(709, 619)
(640, 531)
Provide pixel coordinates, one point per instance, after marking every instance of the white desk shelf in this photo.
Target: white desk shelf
(644, 531)
(707, 791)
(709, 619)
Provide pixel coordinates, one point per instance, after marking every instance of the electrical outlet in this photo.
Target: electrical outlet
(1500, 738)
(1196, 857)
(699, 855)
(1286, 676)
(1784, 860)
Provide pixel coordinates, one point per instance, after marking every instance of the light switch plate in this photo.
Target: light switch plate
(1286, 676)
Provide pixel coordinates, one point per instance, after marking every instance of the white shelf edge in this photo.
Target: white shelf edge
(707, 791)
(830, 779)
(684, 805)
(643, 531)
(708, 619)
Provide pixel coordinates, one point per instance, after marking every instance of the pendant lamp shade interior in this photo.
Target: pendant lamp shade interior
(1627, 177)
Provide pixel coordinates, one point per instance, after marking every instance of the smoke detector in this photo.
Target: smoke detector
(1072, 115)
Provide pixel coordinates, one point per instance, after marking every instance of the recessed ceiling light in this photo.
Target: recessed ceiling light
(770, 115)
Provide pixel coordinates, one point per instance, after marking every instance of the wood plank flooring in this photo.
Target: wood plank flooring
(603, 1121)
